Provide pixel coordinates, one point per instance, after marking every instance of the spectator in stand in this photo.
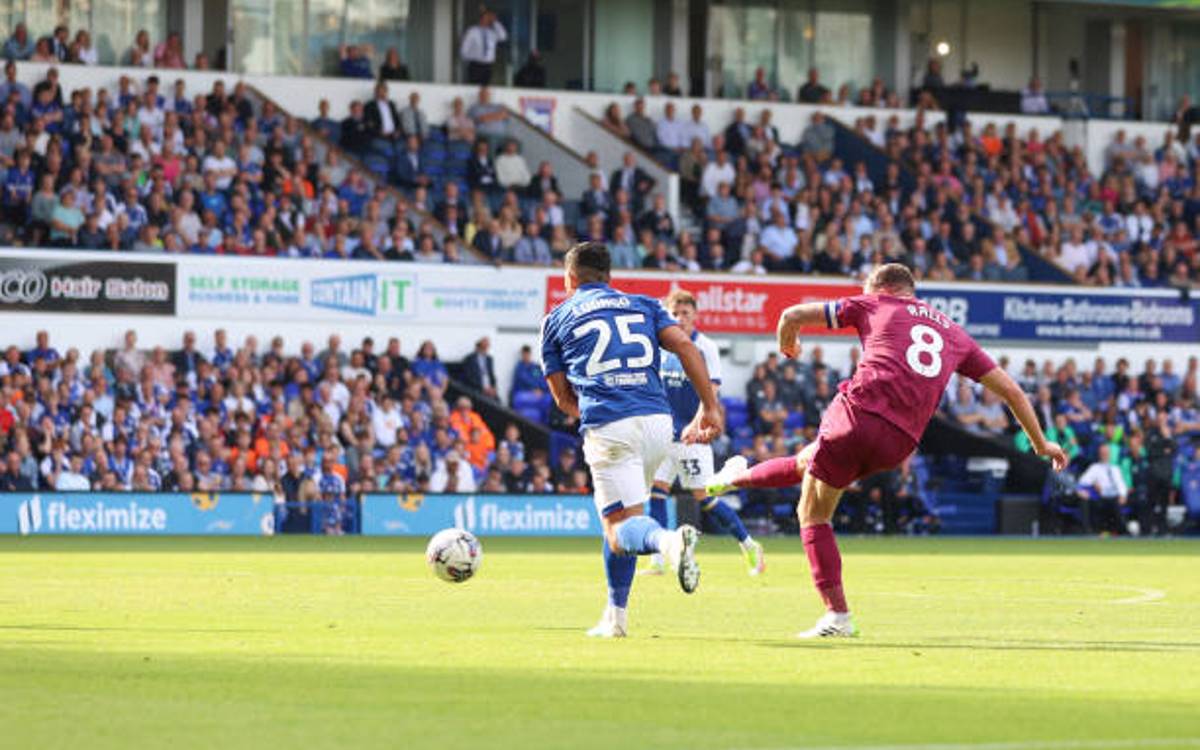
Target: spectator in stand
(19, 45)
(759, 88)
(491, 119)
(1033, 98)
(410, 165)
(511, 169)
(812, 92)
(459, 126)
(413, 120)
(382, 122)
(481, 172)
(817, 139)
(631, 178)
(671, 133)
(642, 130)
(479, 44)
(169, 53)
(1102, 492)
(355, 137)
(532, 248)
(393, 68)
(532, 74)
(354, 61)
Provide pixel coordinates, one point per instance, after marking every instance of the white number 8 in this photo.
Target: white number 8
(926, 341)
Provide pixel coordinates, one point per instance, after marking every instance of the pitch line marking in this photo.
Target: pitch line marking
(1163, 742)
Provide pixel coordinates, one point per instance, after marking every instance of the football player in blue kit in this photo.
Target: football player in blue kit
(602, 352)
(692, 464)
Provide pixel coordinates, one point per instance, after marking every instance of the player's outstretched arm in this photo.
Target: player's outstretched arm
(709, 422)
(564, 395)
(1000, 383)
(796, 317)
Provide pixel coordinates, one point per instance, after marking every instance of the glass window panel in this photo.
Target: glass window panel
(267, 36)
(844, 50)
(744, 36)
(795, 54)
(114, 24)
(624, 39)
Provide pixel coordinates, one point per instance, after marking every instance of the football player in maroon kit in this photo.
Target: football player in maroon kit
(910, 350)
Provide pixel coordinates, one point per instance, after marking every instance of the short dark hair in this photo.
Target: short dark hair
(589, 261)
(892, 277)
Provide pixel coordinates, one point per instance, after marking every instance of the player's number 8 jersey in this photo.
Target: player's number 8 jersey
(606, 342)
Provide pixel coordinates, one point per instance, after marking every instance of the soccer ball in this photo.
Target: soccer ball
(454, 555)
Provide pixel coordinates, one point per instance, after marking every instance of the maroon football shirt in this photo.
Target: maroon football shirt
(909, 352)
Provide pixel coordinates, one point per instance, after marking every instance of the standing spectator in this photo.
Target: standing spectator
(383, 123)
(1103, 492)
(491, 119)
(479, 370)
(478, 48)
(1033, 98)
(413, 120)
(759, 88)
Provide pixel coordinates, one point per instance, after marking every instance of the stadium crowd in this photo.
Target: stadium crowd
(321, 425)
(152, 167)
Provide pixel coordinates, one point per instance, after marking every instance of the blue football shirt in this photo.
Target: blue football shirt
(684, 400)
(606, 342)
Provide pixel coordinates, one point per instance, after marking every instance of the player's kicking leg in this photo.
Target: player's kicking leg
(818, 501)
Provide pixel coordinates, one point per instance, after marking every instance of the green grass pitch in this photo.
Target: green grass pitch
(351, 643)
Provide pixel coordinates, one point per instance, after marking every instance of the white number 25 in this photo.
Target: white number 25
(596, 363)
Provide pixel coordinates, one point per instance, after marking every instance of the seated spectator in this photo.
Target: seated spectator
(532, 248)
(812, 92)
(459, 126)
(169, 53)
(354, 61)
(19, 45)
(393, 68)
(642, 130)
(1103, 492)
(759, 89)
(671, 134)
(611, 121)
(532, 75)
(779, 239)
(511, 169)
(481, 172)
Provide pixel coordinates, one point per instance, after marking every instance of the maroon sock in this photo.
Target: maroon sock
(826, 564)
(775, 472)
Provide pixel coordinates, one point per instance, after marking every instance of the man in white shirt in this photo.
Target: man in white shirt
(697, 129)
(779, 238)
(1077, 252)
(715, 172)
(1103, 489)
(1033, 99)
(511, 169)
(220, 165)
(478, 47)
(385, 420)
(73, 479)
(452, 474)
(671, 132)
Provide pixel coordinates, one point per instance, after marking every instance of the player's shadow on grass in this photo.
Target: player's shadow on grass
(1006, 644)
(129, 629)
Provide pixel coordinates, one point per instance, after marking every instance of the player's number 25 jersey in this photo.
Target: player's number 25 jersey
(607, 344)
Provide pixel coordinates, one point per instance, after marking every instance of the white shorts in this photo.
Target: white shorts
(691, 464)
(623, 457)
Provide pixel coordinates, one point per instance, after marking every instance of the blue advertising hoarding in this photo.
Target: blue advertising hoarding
(160, 514)
(487, 515)
(1036, 315)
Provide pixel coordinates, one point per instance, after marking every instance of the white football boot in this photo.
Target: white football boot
(832, 625)
(679, 549)
(614, 623)
(721, 483)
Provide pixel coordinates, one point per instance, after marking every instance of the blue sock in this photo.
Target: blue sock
(658, 506)
(639, 535)
(619, 570)
(728, 518)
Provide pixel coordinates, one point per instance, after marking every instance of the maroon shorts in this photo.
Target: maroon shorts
(852, 444)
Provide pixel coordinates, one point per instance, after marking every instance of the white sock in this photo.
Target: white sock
(747, 543)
